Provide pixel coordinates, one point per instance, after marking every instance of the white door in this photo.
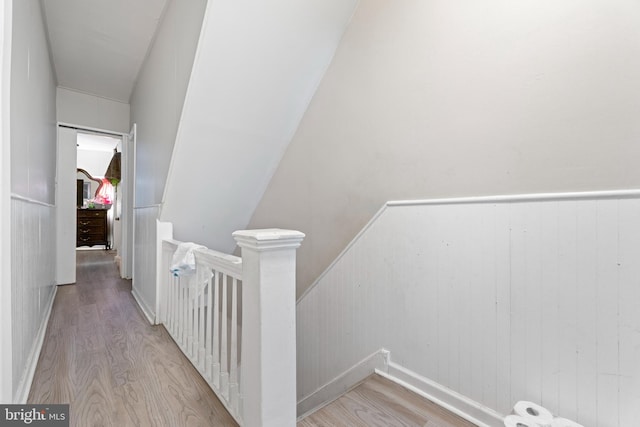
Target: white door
(128, 190)
(66, 206)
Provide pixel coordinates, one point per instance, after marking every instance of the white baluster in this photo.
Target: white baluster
(208, 350)
(194, 321)
(216, 332)
(169, 301)
(194, 326)
(174, 305)
(184, 303)
(180, 314)
(233, 363)
(224, 358)
(190, 315)
(165, 282)
(166, 285)
(201, 329)
(175, 289)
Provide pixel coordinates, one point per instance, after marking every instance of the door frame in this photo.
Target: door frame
(66, 164)
(128, 196)
(126, 187)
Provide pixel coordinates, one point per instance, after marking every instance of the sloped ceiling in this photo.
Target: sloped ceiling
(256, 70)
(98, 46)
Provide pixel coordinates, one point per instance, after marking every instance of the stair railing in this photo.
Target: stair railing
(235, 320)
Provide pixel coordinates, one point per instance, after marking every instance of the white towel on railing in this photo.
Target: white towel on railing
(183, 265)
(183, 262)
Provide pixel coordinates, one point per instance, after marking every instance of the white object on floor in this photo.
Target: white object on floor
(534, 412)
(518, 421)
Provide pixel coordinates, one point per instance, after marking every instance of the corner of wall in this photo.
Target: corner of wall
(327, 393)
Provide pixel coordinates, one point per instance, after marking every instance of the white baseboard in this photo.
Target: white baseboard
(443, 396)
(24, 387)
(380, 363)
(148, 313)
(335, 388)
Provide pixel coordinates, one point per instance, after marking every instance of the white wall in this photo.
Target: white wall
(33, 267)
(254, 75)
(497, 301)
(157, 99)
(92, 111)
(6, 366)
(94, 161)
(33, 167)
(33, 107)
(156, 105)
(449, 98)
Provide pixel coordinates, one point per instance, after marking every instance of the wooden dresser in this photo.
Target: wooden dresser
(91, 228)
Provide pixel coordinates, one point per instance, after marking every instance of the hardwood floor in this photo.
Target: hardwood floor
(383, 403)
(102, 357)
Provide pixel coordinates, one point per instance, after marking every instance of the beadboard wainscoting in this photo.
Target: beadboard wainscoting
(489, 301)
(144, 259)
(32, 286)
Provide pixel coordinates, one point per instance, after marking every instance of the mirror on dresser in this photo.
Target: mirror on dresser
(88, 187)
(91, 226)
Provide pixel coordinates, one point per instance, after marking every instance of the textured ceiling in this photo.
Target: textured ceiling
(98, 46)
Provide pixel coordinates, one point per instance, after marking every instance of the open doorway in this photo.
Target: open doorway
(91, 196)
(97, 178)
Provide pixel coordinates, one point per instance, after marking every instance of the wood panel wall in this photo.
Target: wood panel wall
(32, 280)
(499, 300)
(144, 259)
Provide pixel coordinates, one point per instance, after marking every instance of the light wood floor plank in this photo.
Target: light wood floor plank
(380, 402)
(102, 357)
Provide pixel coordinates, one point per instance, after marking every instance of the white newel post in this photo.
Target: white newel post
(268, 362)
(164, 231)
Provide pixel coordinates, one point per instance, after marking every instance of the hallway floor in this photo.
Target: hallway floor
(102, 357)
